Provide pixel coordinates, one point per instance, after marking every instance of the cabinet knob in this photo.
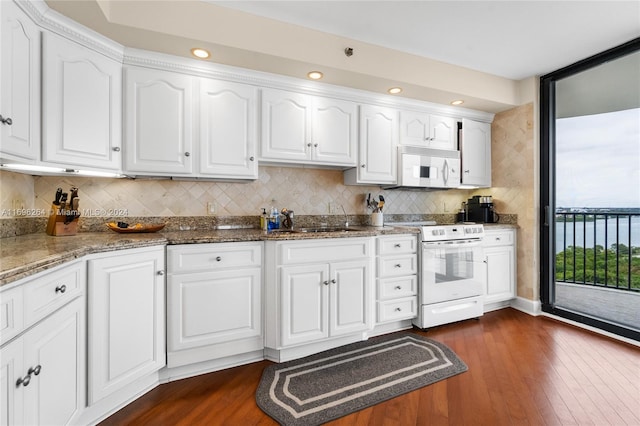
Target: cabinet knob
(315, 145)
(398, 309)
(309, 144)
(250, 158)
(116, 149)
(24, 381)
(497, 238)
(397, 245)
(466, 171)
(161, 273)
(218, 259)
(325, 282)
(61, 288)
(363, 166)
(8, 121)
(187, 154)
(333, 281)
(398, 265)
(34, 370)
(398, 287)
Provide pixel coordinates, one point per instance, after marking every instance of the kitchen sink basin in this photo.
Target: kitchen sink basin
(322, 229)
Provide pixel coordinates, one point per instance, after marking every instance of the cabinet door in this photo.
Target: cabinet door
(126, 319)
(414, 128)
(442, 133)
(475, 149)
(304, 292)
(378, 143)
(286, 122)
(213, 307)
(19, 84)
(157, 122)
(334, 132)
(55, 350)
(82, 98)
(228, 130)
(501, 279)
(350, 296)
(11, 395)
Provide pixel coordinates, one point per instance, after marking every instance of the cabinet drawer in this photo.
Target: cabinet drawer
(400, 244)
(498, 238)
(393, 288)
(11, 314)
(51, 291)
(315, 251)
(395, 310)
(396, 266)
(206, 257)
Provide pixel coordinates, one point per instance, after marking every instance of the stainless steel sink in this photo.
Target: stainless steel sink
(329, 229)
(322, 229)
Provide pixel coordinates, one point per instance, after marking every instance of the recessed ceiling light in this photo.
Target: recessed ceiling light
(457, 102)
(395, 90)
(315, 75)
(200, 53)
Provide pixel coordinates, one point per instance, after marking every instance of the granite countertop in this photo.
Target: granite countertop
(29, 254)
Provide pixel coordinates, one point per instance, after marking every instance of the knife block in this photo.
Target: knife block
(56, 225)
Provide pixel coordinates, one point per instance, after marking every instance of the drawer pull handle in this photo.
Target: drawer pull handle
(8, 121)
(218, 259)
(497, 238)
(398, 265)
(161, 273)
(397, 245)
(34, 370)
(398, 287)
(398, 310)
(61, 288)
(24, 381)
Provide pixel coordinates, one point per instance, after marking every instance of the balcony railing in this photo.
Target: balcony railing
(598, 248)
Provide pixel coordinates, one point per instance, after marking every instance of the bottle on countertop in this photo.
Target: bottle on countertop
(264, 219)
(274, 219)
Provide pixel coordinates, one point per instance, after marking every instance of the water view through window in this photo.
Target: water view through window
(597, 222)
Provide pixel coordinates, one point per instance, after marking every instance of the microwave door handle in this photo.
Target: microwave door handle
(445, 171)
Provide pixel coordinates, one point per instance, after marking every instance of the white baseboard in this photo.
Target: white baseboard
(531, 307)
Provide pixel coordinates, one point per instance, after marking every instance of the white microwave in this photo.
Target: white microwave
(428, 168)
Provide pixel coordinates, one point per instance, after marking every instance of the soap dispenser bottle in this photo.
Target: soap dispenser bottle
(264, 219)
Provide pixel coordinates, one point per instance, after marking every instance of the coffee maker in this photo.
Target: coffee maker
(480, 209)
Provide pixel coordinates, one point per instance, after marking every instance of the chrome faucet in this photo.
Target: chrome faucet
(346, 218)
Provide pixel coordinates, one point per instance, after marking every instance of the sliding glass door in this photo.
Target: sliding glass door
(590, 191)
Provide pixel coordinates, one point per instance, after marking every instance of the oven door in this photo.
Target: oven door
(452, 270)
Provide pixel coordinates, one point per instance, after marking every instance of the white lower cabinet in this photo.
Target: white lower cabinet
(500, 253)
(214, 301)
(126, 319)
(42, 370)
(317, 292)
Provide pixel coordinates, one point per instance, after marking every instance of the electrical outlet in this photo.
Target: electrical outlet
(211, 208)
(17, 204)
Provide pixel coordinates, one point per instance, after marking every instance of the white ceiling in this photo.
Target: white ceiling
(511, 39)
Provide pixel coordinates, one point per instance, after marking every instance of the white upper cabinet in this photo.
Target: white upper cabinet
(378, 147)
(82, 105)
(299, 128)
(475, 149)
(228, 130)
(428, 130)
(19, 85)
(158, 122)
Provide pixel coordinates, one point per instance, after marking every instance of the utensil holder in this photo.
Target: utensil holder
(377, 219)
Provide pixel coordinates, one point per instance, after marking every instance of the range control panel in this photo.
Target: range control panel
(452, 232)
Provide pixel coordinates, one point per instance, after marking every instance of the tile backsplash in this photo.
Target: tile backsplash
(306, 191)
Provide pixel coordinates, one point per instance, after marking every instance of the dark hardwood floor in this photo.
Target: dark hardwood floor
(523, 370)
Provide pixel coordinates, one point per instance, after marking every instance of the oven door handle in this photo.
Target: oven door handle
(465, 243)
